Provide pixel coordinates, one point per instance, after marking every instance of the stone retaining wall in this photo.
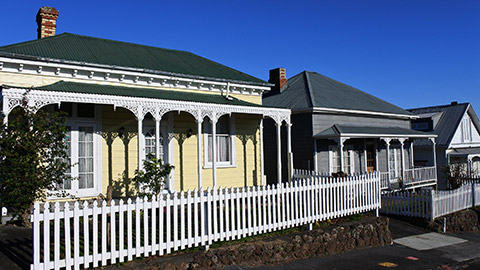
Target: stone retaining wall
(335, 239)
(463, 221)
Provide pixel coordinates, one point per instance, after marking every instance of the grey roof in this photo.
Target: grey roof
(373, 132)
(465, 151)
(449, 121)
(308, 90)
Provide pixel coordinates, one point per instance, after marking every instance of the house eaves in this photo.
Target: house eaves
(357, 112)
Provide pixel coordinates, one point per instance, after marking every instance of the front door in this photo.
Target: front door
(371, 166)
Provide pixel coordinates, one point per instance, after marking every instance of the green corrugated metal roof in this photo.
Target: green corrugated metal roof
(308, 90)
(339, 130)
(84, 49)
(99, 89)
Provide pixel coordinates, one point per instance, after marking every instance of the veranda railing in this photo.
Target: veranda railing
(89, 235)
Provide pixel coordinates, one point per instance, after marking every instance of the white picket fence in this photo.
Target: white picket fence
(431, 204)
(74, 235)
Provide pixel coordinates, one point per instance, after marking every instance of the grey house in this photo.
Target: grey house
(329, 116)
(458, 141)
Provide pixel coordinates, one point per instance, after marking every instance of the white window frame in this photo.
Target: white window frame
(347, 149)
(74, 122)
(232, 139)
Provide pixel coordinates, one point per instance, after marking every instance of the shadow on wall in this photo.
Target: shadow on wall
(244, 138)
(181, 137)
(122, 185)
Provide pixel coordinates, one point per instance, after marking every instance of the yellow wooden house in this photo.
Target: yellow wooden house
(126, 100)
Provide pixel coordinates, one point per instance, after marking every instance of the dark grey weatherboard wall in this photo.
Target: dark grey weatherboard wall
(323, 154)
(308, 92)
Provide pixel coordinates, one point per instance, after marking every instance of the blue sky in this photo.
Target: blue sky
(411, 53)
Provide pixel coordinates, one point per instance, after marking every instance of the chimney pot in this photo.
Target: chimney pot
(454, 103)
(46, 21)
(278, 76)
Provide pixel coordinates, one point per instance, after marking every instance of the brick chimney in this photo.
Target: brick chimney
(47, 21)
(279, 78)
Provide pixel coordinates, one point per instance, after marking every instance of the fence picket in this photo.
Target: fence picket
(183, 242)
(137, 227)
(153, 231)
(46, 235)
(86, 242)
(221, 200)
(174, 221)
(196, 236)
(429, 203)
(227, 203)
(161, 225)
(104, 233)
(189, 219)
(56, 233)
(175, 205)
(121, 231)
(129, 229)
(68, 249)
(113, 235)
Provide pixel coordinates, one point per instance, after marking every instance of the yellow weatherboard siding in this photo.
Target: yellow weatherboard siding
(185, 151)
(119, 155)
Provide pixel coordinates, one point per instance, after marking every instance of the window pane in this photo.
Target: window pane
(335, 159)
(67, 184)
(81, 165)
(392, 162)
(223, 140)
(81, 181)
(85, 157)
(89, 165)
(150, 142)
(346, 162)
(209, 147)
(89, 180)
(223, 148)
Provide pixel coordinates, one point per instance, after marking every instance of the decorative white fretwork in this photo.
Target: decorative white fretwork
(140, 106)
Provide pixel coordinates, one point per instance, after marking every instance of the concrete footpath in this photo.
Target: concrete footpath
(413, 248)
